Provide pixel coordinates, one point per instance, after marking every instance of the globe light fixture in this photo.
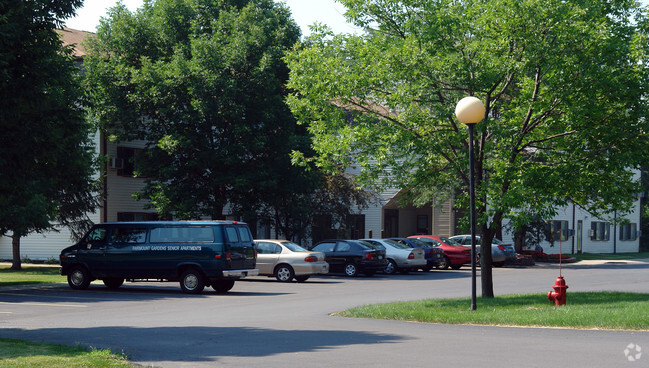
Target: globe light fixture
(470, 111)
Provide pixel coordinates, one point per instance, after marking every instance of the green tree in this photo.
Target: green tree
(564, 85)
(46, 155)
(203, 83)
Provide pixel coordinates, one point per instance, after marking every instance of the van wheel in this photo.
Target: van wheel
(284, 273)
(79, 278)
(113, 282)
(222, 286)
(192, 281)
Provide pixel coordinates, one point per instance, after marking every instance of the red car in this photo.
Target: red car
(455, 255)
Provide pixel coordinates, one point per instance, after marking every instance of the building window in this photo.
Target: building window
(600, 230)
(628, 232)
(355, 228)
(128, 157)
(557, 230)
(422, 224)
(137, 216)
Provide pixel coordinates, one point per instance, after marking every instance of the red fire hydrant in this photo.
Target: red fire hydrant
(558, 296)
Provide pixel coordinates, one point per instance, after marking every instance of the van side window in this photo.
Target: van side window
(128, 235)
(97, 235)
(232, 233)
(182, 234)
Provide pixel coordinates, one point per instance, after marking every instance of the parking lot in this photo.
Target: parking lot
(262, 322)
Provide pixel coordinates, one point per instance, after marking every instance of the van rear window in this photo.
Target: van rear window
(182, 234)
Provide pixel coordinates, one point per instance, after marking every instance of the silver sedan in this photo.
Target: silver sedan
(402, 258)
(286, 260)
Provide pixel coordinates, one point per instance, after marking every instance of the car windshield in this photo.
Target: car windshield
(449, 241)
(396, 244)
(293, 247)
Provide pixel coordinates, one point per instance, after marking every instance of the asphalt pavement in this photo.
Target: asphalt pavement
(262, 322)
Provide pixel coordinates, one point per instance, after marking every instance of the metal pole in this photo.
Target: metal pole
(472, 218)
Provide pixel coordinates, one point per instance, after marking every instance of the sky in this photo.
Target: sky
(305, 13)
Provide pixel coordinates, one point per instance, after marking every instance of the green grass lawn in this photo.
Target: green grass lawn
(30, 275)
(612, 257)
(19, 354)
(584, 310)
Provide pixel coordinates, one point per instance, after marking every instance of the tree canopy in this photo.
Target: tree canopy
(563, 82)
(203, 83)
(46, 156)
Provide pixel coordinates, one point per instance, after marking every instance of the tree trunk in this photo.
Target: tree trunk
(217, 212)
(486, 278)
(15, 246)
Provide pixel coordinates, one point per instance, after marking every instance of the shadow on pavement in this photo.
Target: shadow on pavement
(180, 343)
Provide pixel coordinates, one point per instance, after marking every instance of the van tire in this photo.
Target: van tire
(113, 282)
(79, 278)
(222, 286)
(192, 281)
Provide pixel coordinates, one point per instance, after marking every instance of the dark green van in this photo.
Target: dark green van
(196, 253)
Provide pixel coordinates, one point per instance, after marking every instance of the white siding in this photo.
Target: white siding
(120, 189)
(613, 244)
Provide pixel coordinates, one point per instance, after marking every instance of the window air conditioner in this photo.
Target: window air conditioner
(116, 163)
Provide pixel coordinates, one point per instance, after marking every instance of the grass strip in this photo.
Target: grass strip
(30, 275)
(19, 354)
(610, 256)
(583, 310)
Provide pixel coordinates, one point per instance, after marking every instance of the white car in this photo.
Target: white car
(500, 252)
(401, 258)
(286, 260)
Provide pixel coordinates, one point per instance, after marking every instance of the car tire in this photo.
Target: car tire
(79, 278)
(222, 286)
(301, 278)
(284, 273)
(351, 270)
(113, 282)
(391, 268)
(444, 263)
(192, 281)
(456, 266)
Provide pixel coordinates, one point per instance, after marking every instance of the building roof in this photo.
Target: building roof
(75, 38)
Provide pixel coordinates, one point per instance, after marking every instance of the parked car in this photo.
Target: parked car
(434, 256)
(401, 258)
(286, 260)
(352, 256)
(455, 255)
(500, 252)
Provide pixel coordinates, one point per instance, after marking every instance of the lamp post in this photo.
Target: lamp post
(470, 111)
